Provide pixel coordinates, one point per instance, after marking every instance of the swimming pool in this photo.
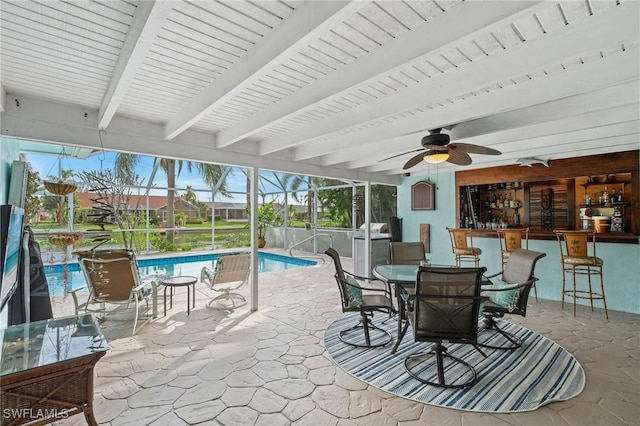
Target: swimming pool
(63, 278)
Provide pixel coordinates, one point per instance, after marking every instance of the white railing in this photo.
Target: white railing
(312, 237)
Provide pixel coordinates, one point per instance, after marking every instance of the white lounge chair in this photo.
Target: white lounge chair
(230, 273)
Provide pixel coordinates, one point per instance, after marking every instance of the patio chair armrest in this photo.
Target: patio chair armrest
(76, 302)
(157, 278)
(361, 278)
(359, 287)
(154, 291)
(512, 287)
(146, 283)
(492, 276)
(206, 276)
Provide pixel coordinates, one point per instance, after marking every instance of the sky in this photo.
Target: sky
(47, 166)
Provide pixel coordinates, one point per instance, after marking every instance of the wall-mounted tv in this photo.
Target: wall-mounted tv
(11, 218)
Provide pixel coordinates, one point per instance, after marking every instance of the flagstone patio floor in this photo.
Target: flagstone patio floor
(269, 367)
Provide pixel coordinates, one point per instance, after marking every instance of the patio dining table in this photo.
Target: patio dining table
(403, 278)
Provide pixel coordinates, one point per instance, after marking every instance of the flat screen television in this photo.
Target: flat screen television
(11, 243)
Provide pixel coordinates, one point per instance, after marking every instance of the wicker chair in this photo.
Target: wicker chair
(409, 253)
(113, 278)
(576, 260)
(511, 239)
(366, 303)
(445, 308)
(230, 273)
(462, 246)
(509, 294)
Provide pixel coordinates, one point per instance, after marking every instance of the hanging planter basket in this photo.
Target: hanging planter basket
(60, 188)
(65, 239)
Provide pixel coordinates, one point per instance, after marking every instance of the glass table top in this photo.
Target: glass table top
(397, 273)
(40, 343)
(405, 274)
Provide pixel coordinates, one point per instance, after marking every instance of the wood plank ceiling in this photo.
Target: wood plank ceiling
(324, 88)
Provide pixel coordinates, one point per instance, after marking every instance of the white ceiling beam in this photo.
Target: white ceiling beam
(305, 24)
(613, 104)
(559, 95)
(593, 33)
(46, 121)
(147, 23)
(519, 128)
(432, 37)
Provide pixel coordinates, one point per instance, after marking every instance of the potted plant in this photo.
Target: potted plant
(266, 217)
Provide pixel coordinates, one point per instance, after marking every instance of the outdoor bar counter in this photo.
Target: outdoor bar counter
(606, 237)
(565, 194)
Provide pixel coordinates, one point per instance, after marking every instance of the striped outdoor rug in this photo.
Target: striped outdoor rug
(524, 379)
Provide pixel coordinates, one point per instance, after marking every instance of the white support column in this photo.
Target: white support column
(253, 175)
(367, 232)
(148, 227)
(285, 236)
(213, 220)
(315, 220)
(354, 211)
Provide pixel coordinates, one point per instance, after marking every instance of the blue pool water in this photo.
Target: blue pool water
(63, 278)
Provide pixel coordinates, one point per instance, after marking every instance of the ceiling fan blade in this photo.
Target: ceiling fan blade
(399, 155)
(413, 161)
(459, 157)
(474, 149)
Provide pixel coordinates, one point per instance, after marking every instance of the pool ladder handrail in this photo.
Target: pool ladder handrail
(314, 236)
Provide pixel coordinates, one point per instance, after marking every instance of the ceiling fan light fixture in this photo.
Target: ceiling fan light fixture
(435, 158)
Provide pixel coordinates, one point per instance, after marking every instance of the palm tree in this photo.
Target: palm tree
(211, 174)
(296, 182)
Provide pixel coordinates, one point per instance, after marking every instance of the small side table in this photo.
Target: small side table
(182, 281)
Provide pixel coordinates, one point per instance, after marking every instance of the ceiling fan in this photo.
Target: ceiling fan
(437, 149)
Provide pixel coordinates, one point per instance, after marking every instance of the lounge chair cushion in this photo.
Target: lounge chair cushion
(354, 292)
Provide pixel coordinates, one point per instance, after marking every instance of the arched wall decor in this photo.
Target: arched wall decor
(423, 196)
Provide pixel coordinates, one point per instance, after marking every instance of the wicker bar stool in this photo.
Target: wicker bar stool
(512, 239)
(462, 246)
(575, 259)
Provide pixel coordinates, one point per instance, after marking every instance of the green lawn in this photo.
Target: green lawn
(46, 225)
